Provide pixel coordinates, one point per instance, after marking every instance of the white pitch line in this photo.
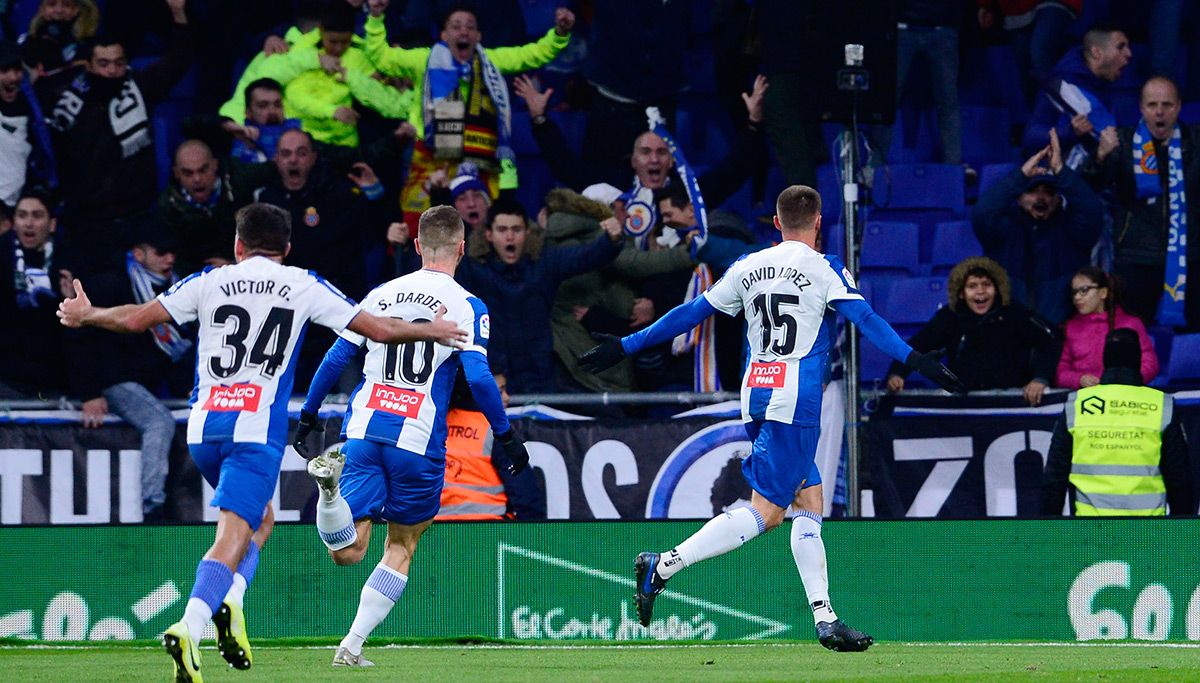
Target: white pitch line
(584, 645)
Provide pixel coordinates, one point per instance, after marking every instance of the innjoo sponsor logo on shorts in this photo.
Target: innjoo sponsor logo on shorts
(234, 398)
(767, 375)
(396, 401)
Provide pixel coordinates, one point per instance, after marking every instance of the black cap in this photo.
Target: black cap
(10, 54)
(1048, 179)
(1122, 349)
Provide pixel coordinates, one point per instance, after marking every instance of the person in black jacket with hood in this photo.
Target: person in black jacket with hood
(104, 144)
(989, 340)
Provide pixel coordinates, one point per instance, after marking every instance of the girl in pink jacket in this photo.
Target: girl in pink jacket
(1098, 312)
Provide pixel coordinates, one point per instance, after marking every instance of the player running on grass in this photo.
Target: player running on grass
(251, 317)
(784, 292)
(395, 426)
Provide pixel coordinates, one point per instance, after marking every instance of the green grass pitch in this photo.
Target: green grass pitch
(494, 662)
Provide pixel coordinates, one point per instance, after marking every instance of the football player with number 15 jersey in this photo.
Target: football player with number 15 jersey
(251, 318)
(393, 464)
(784, 292)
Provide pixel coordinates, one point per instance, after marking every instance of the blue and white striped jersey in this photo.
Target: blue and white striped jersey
(405, 392)
(784, 292)
(252, 316)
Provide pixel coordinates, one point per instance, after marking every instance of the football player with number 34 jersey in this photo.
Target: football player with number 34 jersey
(784, 292)
(252, 316)
(393, 464)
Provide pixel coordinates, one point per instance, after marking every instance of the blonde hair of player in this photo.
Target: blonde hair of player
(440, 238)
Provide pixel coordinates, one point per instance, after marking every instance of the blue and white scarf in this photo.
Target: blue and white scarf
(166, 335)
(1071, 100)
(442, 75)
(702, 338)
(32, 285)
(1149, 187)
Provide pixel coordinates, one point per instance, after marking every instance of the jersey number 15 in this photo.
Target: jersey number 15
(770, 308)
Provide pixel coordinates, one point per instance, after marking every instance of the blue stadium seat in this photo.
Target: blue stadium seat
(921, 186)
(913, 301)
(989, 174)
(953, 241)
(873, 363)
(985, 135)
(990, 76)
(1190, 113)
(831, 193)
(914, 136)
(891, 247)
(539, 16)
(522, 135)
(1184, 366)
(535, 181)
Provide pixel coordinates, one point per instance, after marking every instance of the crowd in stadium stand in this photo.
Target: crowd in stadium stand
(1052, 137)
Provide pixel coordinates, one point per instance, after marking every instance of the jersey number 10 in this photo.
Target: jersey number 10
(401, 360)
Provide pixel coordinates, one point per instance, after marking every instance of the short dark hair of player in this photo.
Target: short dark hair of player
(338, 17)
(505, 207)
(674, 192)
(269, 84)
(440, 227)
(798, 207)
(264, 228)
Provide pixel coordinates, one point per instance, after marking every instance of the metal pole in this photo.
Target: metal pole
(850, 358)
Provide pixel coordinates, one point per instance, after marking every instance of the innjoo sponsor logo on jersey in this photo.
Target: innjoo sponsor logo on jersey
(767, 375)
(400, 402)
(235, 398)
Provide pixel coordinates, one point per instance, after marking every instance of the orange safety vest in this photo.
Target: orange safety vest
(473, 489)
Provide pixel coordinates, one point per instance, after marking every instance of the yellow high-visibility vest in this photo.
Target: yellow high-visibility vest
(1116, 432)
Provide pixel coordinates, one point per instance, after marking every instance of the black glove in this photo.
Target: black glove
(602, 357)
(928, 364)
(514, 448)
(307, 425)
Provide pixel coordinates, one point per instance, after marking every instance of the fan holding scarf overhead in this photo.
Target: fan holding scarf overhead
(1154, 170)
(464, 112)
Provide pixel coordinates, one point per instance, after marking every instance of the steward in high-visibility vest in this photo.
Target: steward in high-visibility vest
(478, 484)
(1118, 445)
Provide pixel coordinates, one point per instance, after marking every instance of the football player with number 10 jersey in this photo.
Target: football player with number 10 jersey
(393, 464)
(784, 292)
(251, 318)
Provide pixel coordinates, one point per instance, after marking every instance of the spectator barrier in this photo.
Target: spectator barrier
(981, 580)
(928, 456)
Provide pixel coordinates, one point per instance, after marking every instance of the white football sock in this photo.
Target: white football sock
(809, 552)
(382, 590)
(335, 523)
(196, 616)
(237, 591)
(721, 534)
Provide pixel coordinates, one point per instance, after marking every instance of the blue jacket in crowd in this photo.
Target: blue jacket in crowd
(1072, 69)
(1040, 256)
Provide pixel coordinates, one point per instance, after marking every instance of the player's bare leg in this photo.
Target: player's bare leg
(214, 577)
(354, 553)
(233, 640)
(723, 533)
(381, 592)
(809, 552)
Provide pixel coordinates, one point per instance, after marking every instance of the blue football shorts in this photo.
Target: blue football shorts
(783, 460)
(243, 474)
(382, 481)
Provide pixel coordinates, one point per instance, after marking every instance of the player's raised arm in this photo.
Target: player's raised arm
(881, 334)
(393, 331)
(130, 318)
(678, 320)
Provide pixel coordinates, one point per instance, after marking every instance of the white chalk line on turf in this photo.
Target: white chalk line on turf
(635, 646)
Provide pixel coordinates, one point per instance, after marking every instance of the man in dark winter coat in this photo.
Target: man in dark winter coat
(518, 280)
(104, 143)
(1040, 225)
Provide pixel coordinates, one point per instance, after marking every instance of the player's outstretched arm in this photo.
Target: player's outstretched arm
(332, 365)
(79, 311)
(678, 320)
(881, 334)
(394, 331)
(487, 397)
